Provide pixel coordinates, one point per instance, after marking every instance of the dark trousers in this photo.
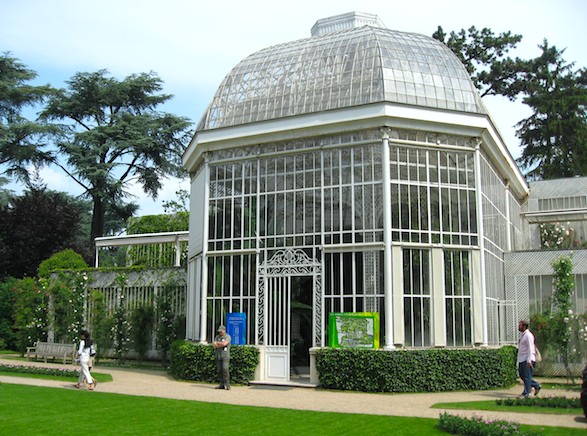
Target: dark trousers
(223, 372)
(527, 375)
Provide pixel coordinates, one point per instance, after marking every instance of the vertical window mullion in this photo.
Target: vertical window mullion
(352, 189)
(413, 298)
(340, 196)
(354, 280)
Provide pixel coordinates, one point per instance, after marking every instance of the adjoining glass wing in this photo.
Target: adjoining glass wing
(343, 69)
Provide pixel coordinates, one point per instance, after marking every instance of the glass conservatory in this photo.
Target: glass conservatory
(354, 171)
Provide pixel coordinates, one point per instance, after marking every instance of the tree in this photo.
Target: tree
(180, 205)
(65, 259)
(5, 194)
(21, 140)
(36, 225)
(554, 137)
(7, 314)
(114, 137)
(483, 55)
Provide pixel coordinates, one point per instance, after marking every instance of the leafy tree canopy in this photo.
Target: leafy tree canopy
(179, 205)
(21, 140)
(5, 194)
(66, 259)
(554, 137)
(36, 225)
(484, 55)
(176, 222)
(114, 136)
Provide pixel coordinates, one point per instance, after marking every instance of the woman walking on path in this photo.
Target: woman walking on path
(84, 352)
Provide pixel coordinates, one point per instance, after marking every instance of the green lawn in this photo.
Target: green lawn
(492, 406)
(26, 410)
(565, 386)
(37, 410)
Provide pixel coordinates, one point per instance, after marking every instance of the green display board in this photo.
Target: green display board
(353, 329)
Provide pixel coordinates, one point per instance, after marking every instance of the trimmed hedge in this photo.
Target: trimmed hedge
(552, 402)
(432, 370)
(193, 361)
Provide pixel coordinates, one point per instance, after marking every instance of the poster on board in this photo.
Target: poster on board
(236, 325)
(353, 329)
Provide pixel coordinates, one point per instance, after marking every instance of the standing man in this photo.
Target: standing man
(527, 360)
(222, 350)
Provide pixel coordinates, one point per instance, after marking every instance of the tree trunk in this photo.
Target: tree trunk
(97, 230)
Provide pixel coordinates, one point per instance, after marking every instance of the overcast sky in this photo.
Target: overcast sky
(192, 45)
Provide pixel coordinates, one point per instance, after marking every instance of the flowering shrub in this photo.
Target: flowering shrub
(67, 295)
(557, 236)
(31, 313)
(560, 333)
(477, 426)
(100, 323)
(564, 285)
(166, 331)
(545, 330)
(23, 369)
(121, 330)
(142, 318)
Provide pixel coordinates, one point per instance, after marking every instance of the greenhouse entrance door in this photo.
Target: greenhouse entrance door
(279, 282)
(278, 328)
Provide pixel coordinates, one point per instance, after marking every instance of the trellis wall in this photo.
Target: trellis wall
(142, 287)
(139, 288)
(524, 267)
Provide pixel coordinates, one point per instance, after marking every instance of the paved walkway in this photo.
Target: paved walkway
(160, 384)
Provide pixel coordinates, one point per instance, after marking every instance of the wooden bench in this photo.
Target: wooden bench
(52, 350)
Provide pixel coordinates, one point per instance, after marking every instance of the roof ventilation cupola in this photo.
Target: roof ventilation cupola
(345, 21)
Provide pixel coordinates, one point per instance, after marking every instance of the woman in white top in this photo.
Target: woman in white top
(83, 352)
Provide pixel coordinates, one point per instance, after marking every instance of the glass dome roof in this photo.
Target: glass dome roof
(341, 69)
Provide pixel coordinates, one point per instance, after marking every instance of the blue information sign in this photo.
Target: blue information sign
(236, 325)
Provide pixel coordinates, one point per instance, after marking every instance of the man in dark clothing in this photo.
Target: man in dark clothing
(221, 346)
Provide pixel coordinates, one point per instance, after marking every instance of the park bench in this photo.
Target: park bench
(52, 350)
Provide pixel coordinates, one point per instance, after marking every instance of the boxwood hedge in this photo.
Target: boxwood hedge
(367, 370)
(194, 361)
(431, 370)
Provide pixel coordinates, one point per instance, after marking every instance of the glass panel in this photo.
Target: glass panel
(457, 298)
(416, 282)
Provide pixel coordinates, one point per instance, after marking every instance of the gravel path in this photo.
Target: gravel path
(160, 384)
